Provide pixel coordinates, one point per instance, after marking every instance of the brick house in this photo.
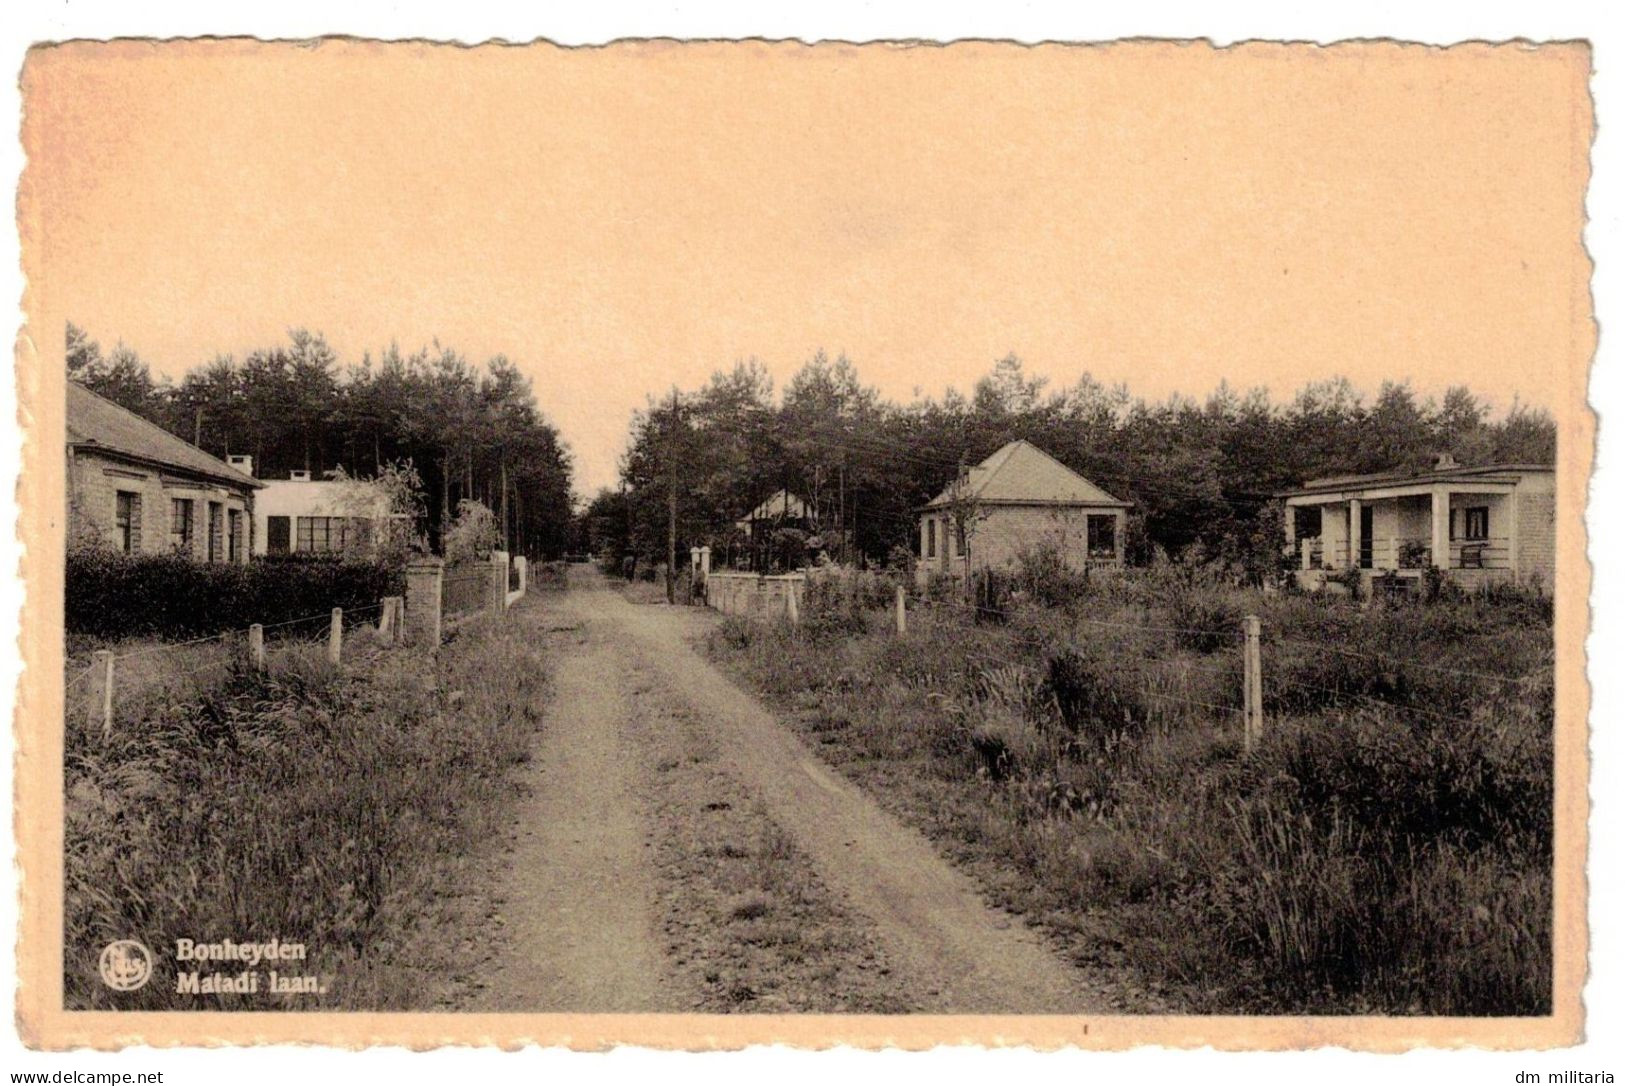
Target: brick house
(143, 490)
(1020, 499)
(1491, 523)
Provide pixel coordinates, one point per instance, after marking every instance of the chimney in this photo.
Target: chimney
(244, 464)
(299, 476)
(1445, 462)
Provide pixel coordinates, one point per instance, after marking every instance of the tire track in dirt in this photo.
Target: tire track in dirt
(748, 924)
(957, 953)
(578, 890)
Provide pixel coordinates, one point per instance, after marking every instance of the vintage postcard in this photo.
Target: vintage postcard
(699, 544)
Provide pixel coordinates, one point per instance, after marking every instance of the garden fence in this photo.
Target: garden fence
(1232, 659)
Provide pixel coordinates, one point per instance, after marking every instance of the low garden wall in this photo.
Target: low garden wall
(753, 594)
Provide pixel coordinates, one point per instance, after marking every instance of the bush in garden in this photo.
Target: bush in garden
(1043, 576)
(473, 533)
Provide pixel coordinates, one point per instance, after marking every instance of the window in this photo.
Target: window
(234, 532)
(319, 535)
(931, 538)
(124, 514)
(1478, 522)
(214, 531)
(1102, 536)
(180, 523)
(959, 539)
(277, 534)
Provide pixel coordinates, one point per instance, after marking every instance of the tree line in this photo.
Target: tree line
(1201, 474)
(472, 433)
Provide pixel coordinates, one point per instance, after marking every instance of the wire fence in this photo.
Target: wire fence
(465, 589)
(1240, 680)
(114, 678)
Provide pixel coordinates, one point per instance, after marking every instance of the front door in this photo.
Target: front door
(1365, 536)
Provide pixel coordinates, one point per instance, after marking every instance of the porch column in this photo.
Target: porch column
(1441, 528)
(1354, 533)
(1292, 529)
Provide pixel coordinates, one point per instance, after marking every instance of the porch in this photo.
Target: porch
(1406, 529)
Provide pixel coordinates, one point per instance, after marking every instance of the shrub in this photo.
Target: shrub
(473, 533)
(113, 596)
(1095, 699)
(1043, 576)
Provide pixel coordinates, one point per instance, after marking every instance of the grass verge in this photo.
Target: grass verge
(331, 807)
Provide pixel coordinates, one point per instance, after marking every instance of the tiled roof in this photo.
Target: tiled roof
(100, 423)
(1023, 474)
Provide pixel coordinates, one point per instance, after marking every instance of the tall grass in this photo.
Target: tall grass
(1386, 850)
(327, 806)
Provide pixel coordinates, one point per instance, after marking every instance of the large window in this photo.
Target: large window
(234, 535)
(1102, 536)
(931, 537)
(278, 534)
(323, 535)
(180, 523)
(126, 507)
(1478, 522)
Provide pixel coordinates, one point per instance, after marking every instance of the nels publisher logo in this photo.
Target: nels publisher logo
(126, 965)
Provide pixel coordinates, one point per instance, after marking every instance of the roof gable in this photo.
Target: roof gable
(782, 503)
(1022, 473)
(98, 422)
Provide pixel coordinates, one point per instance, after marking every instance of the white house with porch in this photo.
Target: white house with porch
(1496, 522)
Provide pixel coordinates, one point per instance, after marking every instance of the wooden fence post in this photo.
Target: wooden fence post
(1252, 686)
(335, 636)
(902, 611)
(103, 706)
(256, 648)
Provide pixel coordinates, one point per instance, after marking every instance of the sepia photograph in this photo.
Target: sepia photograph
(1075, 544)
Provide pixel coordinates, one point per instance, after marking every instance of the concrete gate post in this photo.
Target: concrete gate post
(420, 626)
(499, 581)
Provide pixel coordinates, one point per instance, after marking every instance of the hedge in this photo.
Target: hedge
(114, 596)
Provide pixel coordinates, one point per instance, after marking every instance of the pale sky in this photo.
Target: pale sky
(618, 220)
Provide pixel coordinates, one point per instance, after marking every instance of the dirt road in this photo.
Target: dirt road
(593, 920)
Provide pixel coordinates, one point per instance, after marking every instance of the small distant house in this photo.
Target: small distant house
(1492, 523)
(143, 490)
(1020, 499)
(764, 547)
(783, 508)
(302, 515)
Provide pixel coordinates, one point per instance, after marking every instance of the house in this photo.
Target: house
(143, 490)
(302, 515)
(761, 549)
(1491, 523)
(780, 509)
(1017, 500)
